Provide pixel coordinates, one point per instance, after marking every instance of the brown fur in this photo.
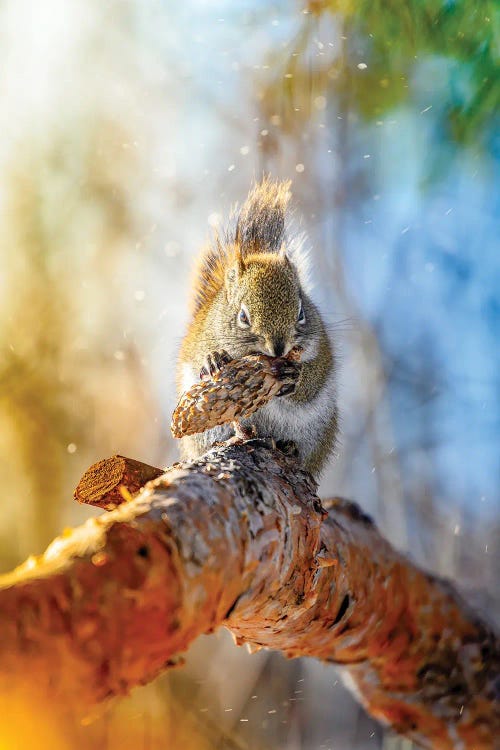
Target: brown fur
(258, 227)
(249, 265)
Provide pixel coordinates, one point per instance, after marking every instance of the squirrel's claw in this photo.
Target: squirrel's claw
(214, 362)
(286, 390)
(244, 432)
(288, 447)
(288, 371)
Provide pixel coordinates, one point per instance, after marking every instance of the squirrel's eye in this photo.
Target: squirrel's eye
(243, 317)
(301, 319)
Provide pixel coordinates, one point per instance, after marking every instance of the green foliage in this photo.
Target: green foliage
(465, 33)
(384, 44)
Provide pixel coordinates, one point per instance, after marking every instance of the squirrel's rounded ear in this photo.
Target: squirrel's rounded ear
(283, 254)
(235, 269)
(233, 273)
(231, 277)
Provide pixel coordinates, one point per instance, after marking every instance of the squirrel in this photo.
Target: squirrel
(250, 295)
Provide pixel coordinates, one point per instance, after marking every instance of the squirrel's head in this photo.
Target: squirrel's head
(266, 308)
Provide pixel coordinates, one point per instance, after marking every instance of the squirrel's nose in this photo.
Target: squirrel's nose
(277, 347)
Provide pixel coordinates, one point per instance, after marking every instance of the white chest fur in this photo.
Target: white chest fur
(296, 416)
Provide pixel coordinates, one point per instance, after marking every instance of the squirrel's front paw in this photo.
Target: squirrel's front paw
(289, 372)
(214, 362)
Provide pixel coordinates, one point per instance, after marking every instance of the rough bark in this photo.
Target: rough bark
(239, 538)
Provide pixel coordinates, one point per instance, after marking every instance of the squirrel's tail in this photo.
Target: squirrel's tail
(258, 226)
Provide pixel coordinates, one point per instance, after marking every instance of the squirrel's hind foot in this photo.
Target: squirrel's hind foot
(288, 447)
(244, 432)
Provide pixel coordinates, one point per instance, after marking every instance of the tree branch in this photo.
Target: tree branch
(110, 482)
(239, 538)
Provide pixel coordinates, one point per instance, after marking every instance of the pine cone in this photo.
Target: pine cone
(235, 391)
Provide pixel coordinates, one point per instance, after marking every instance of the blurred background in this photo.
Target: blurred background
(128, 129)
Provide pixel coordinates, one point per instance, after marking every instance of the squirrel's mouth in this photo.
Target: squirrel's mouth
(274, 349)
